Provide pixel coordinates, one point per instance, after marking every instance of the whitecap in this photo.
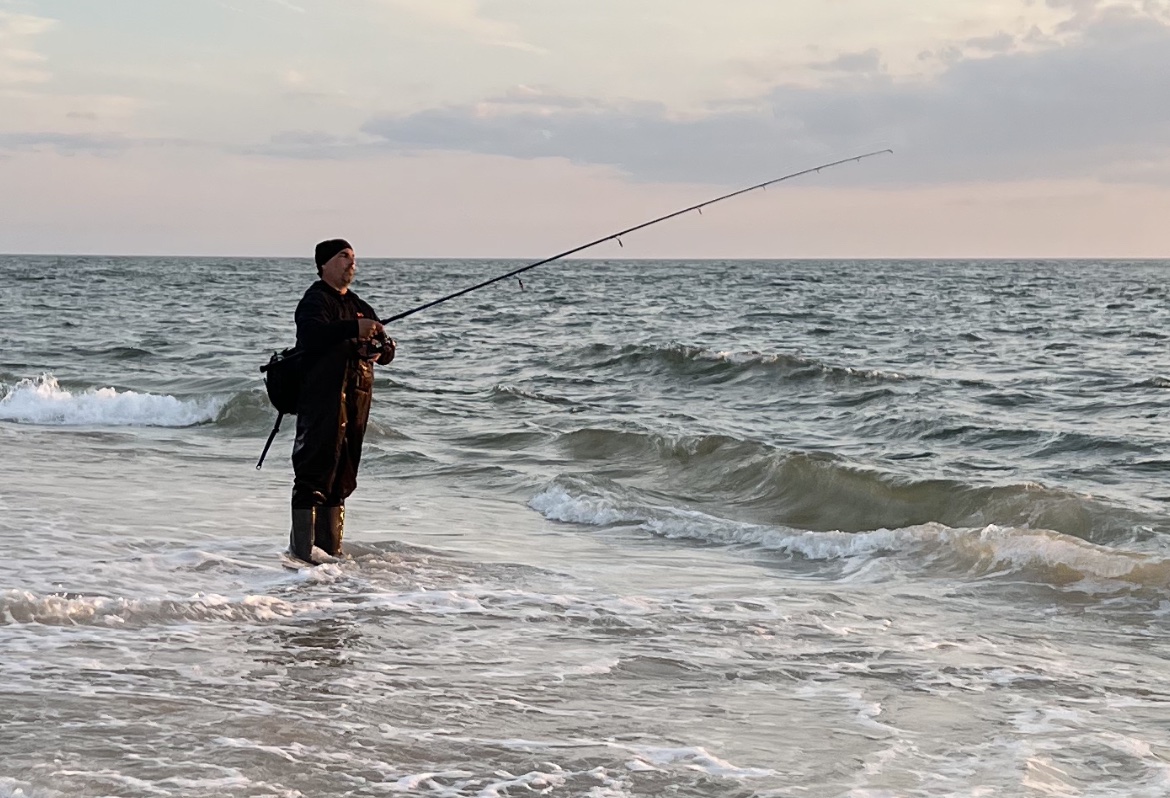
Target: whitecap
(44, 401)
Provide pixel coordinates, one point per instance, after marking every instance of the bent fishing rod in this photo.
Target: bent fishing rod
(293, 355)
(618, 236)
(281, 360)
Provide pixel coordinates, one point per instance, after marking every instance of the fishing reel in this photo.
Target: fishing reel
(376, 348)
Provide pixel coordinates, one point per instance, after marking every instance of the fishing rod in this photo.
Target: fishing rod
(283, 370)
(618, 236)
(291, 355)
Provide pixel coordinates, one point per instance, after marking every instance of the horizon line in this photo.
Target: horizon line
(526, 259)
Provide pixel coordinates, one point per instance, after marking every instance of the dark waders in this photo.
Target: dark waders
(331, 423)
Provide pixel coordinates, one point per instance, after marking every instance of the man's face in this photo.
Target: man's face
(338, 271)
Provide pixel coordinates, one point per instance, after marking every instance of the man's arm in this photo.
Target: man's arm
(317, 328)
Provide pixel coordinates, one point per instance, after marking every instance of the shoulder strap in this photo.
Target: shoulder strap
(271, 436)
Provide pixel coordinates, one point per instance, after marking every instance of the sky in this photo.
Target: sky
(521, 128)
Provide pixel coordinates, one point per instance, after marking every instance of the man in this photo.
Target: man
(342, 339)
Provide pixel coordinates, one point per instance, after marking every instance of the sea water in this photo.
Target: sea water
(816, 528)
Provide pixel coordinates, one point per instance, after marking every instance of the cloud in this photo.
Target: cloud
(1094, 106)
(65, 143)
(288, 5)
(100, 144)
(250, 9)
(314, 145)
(465, 16)
(998, 43)
(869, 61)
(18, 62)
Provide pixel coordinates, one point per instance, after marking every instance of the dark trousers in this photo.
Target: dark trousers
(331, 424)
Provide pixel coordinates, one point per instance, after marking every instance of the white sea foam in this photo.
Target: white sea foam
(534, 781)
(430, 602)
(1061, 558)
(271, 750)
(22, 606)
(44, 401)
(557, 504)
(11, 788)
(697, 758)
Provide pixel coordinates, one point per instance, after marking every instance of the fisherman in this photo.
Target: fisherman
(342, 338)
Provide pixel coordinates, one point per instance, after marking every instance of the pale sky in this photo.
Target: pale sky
(520, 128)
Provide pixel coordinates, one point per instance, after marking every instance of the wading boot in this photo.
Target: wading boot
(328, 529)
(300, 539)
(305, 521)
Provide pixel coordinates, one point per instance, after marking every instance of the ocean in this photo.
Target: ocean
(635, 528)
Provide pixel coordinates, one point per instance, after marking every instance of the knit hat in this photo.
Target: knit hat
(327, 249)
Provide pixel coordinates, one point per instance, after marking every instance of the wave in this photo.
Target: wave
(252, 412)
(22, 606)
(807, 490)
(986, 435)
(247, 410)
(696, 362)
(1151, 382)
(44, 401)
(505, 392)
(115, 353)
(1044, 555)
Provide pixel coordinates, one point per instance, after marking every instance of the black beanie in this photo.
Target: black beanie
(327, 249)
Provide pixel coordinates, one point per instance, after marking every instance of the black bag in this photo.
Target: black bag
(283, 375)
(282, 378)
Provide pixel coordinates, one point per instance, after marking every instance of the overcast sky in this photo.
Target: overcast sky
(519, 128)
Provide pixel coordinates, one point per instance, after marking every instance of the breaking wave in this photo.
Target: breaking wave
(759, 483)
(44, 401)
(1045, 555)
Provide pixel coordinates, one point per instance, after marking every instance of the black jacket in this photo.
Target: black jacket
(327, 329)
(325, 318)
(336, 390)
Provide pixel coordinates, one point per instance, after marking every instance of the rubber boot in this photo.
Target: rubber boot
(328, 529)
(300, 539)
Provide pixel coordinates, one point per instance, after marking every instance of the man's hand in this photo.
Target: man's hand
(368, 328)
(389, 348)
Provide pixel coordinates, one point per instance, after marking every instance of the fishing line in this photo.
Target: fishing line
(283, 371)
(618, 236)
